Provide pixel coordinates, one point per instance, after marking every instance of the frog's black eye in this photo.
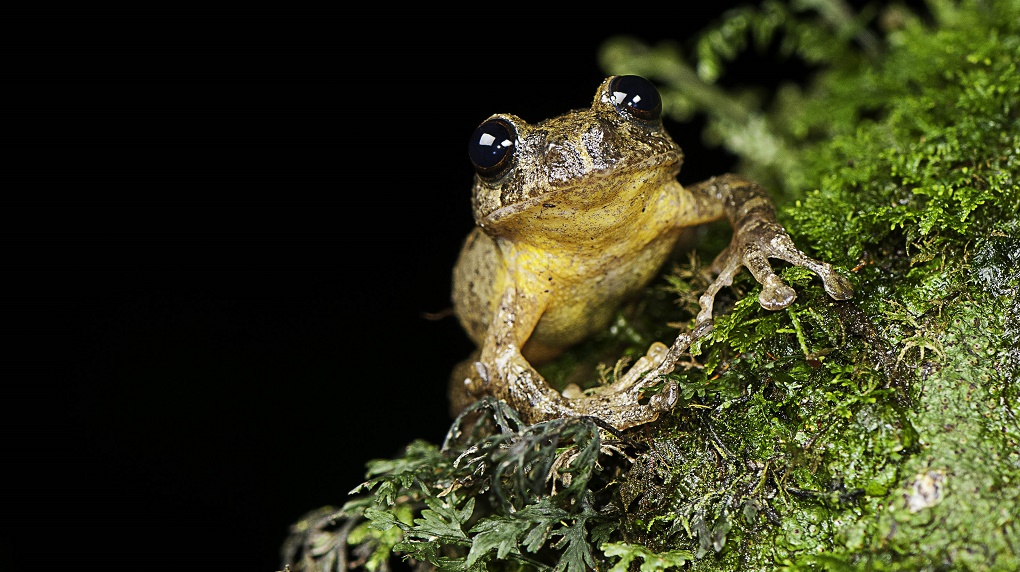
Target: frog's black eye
(636, 97)
(492, 147)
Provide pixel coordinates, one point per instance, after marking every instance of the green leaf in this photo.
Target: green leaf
(498, 533)
(577, 555)
(651, 561)
(443, 520)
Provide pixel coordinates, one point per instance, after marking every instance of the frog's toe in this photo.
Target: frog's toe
(703, 329)
(776, 295)
(657, 353)
(838, 287)
(666, 399)
(572, 391)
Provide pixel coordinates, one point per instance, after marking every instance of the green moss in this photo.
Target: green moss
(891, 427)
(880, 433)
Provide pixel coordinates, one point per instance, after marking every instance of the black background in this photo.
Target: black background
(224, 231)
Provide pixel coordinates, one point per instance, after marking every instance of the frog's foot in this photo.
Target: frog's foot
(623, 404)
(753, 244)
(661, 360)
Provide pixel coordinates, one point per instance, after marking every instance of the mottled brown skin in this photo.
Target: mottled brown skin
(585, 217)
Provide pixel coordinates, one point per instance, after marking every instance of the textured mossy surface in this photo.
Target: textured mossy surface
(878, 433)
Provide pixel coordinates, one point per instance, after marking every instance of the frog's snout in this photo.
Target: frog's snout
(564, 161)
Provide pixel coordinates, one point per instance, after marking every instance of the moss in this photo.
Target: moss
(880, 433)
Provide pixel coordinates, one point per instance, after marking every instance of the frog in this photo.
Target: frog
(576, 214)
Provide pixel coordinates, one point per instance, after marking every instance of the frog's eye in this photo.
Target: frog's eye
(492, 147)
(636, 97)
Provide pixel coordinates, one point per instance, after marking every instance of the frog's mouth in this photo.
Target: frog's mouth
(546, 201)
(596, 190)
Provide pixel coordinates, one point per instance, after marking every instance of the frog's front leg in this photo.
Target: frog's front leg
(757, 236)
(503, 372)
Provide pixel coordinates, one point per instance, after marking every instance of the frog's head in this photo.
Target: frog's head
(579, 161)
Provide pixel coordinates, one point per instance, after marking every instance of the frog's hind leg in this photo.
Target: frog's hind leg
(463, 389)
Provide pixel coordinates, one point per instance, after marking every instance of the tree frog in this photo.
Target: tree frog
(574, 215)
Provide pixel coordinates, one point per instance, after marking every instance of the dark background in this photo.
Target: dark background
(224, 233)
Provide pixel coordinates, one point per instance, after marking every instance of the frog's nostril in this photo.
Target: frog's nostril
(564, 161)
